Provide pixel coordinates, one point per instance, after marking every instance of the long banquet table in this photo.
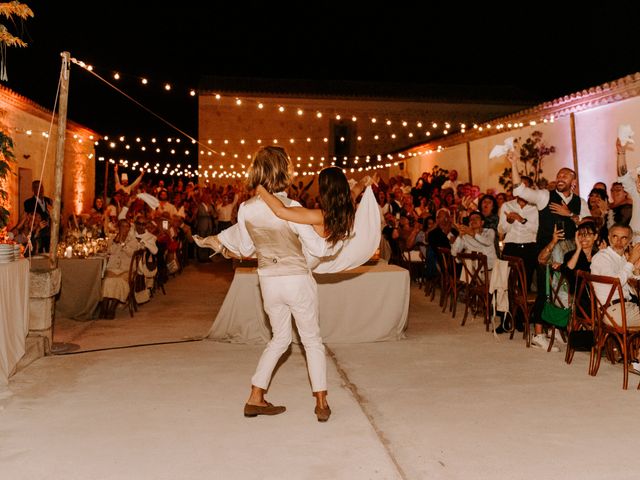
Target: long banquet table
(81, 286)
(367, 304)
(14, 315)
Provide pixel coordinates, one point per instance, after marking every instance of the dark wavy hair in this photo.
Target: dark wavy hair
(336, 203)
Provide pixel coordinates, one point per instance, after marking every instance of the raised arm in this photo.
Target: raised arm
(291, 214)
(621, 161)
(137, 180)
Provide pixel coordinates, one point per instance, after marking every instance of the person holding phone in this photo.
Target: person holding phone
(559, 205)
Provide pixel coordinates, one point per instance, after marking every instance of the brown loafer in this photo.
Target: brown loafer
(323, 414)
(269, 409)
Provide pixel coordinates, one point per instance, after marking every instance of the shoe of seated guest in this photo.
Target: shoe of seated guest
(541, 341)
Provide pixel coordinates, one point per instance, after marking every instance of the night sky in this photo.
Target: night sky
(546, 53)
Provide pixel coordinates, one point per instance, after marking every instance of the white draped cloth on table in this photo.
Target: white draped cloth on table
(14, 315)
(366, 304)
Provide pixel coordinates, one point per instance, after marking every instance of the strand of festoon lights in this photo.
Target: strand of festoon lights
(389, 119)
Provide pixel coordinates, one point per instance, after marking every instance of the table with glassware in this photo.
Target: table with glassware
(367, 304)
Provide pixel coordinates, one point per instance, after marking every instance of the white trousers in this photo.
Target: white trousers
(282, 297)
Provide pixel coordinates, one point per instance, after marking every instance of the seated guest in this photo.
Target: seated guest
(612, 262)
(620, 208)
(476, 238)
(115, 286)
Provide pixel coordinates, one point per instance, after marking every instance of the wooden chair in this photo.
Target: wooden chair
(433, 274)
(416, 268)
(475, 274)
(133, 278)
(520, 305)
(449, 281)
(608, 328)
(581, 316)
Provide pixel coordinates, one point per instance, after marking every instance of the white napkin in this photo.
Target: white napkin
(503, 149)
(624, 134)
(150, 200)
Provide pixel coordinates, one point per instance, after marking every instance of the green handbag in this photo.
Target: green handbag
(552, 314)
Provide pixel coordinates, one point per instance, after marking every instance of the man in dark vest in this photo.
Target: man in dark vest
(558, 208)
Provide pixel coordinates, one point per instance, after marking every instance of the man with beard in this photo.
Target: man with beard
(558, 208)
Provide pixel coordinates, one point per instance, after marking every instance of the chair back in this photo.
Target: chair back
(474, 269)
(609, 287)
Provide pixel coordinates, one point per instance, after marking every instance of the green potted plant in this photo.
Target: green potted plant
(532, 152)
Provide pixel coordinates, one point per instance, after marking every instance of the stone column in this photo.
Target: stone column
(44, 286)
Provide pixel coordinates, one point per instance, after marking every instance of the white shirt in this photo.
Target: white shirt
(453, 184)
(517, 232)
(481, 242)
(167, 207)
(607, 262)
(148, 239)
(225, 212)
(540, 198)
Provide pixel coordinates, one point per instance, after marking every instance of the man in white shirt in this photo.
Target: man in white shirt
(612, 262)
(475, 238)
(452, 182)
(519, 224)
(559, 207)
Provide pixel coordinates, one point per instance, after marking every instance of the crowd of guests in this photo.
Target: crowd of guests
(542, 226)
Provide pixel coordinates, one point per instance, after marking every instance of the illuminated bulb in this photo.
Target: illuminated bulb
(281, 109)
(447, 125)
(393, 135)
(319, 114)
(434, 125)
(167, 87)
(428, 133)
(157, 150)
(112, 145)
(238, 101)
(121, 139)
(359, 138)
(192, 93)
(127, 147)
(376, 137)
(242, 141)
(419, 124)
(338, 117)
(342, 139)
(143, 148)
(388, 122)
(404, 124)
(300, 112)
(153, 140)
(291, 140)
(173, 151)
(29, 132)
(138, 139)
(275, 140)
(445, 131)
(116, 76)
(325, 139)
(226, 142)
(410, 135)
(218, 96)
(463, 126)
(354, 118)
(308, 139)
(373, 120)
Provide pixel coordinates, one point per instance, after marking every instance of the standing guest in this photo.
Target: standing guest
(519, 224)
(452, 182)
(122, 183)
(557, 209)
(41, 206)
(630, 183)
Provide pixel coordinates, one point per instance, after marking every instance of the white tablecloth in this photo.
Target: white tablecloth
(367, 304)
(14, 315)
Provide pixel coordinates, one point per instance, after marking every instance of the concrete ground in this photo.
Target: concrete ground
(449, 402)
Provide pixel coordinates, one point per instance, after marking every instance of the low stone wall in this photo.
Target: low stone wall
(44, 286)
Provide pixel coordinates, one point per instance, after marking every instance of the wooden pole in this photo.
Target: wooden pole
(574, 149)
(59, 171)
(106, 182)
(469, 164)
